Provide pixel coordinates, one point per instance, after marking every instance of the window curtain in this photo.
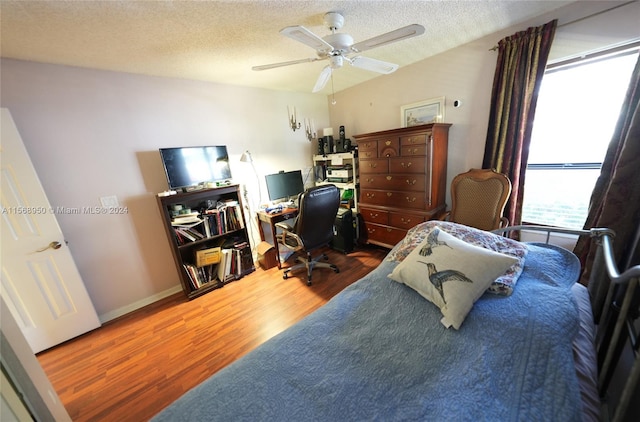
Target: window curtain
(522, 59)
(615, 200)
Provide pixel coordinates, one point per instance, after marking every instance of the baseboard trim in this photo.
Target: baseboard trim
(139, 304)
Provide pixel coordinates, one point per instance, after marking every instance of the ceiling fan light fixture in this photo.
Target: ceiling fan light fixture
(336, 62)
(337, 46)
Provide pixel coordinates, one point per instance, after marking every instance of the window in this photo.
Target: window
(578, 107)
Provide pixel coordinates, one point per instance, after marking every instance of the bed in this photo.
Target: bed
(520, 345)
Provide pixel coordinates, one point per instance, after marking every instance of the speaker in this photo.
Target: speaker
(341, 133)
(343, 231)
(328, 145)
(320, 146)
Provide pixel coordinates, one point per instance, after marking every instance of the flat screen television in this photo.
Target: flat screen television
(284, 185)
(192, 166)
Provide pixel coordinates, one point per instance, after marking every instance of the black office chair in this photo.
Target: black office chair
(312, 229)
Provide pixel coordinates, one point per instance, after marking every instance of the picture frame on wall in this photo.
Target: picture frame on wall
(422, 113)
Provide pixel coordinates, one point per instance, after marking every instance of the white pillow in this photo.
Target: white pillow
(451, 273)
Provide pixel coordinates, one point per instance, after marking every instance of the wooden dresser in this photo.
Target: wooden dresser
(403, 174)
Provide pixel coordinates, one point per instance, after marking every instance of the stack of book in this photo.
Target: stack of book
(235, 262)
(225, 217)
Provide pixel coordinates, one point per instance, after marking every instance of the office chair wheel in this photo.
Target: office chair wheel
(285, 275)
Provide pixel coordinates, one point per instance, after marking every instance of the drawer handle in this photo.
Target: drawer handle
(413, 151)
(407, 165)
(370, 195)
(389, 178)
(373, 165)
(388, 155)
(388, 230)
(368, 154)
(387, 143)
(411, 199)
(372, 215)
(407, 221)
(370, 180)
(389, 194)
(411, 182)
(371, 230)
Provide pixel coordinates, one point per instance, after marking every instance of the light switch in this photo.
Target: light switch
(109, 201)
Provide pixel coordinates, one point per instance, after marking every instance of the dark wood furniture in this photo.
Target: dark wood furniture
(231, 235)
(270, 221)
(403, 174)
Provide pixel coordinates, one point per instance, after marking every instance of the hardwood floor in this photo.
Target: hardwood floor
(133, 367)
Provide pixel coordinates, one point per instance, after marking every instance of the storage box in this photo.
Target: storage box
(340, 172)
(266, 255)
(206, 257)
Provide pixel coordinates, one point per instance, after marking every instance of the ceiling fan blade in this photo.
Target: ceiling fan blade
(322, 79)
(388, 38)
(303, 35)
(373, 65)
(274, 65)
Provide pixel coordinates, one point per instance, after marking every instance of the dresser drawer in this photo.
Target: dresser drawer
(398, 199)
(413, 140)
(367, 146)
(414, 182)
(389, 147)
(370, 215)
(369, 153)
(383, 235)
(405, 220)
(374, 165)
(409, 150)
(407, 165)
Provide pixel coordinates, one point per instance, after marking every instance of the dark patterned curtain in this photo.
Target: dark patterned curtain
(615, 201)
(522, 59)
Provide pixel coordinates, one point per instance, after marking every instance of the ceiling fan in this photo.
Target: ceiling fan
(337, 48)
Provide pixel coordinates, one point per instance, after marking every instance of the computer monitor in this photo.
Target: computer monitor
(284, 186)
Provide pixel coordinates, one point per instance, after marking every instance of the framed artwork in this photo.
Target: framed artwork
(423, 112)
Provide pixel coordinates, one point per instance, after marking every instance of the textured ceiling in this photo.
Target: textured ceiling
(221, 40)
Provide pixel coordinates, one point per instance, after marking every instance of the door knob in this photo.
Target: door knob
(52, 245)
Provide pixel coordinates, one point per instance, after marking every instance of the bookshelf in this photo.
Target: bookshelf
(208, 237)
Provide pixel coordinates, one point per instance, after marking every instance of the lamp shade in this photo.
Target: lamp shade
(246, 157)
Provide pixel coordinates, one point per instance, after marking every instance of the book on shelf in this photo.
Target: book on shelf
(213, 222)
(244, 259)
(224, 266)
(225, 217)
(201, 276)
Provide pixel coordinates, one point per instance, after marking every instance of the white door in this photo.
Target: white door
(40, 282)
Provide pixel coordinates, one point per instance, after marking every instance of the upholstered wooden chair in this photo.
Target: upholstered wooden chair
(478, 198)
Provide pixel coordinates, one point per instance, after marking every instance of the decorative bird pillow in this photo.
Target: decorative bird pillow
(451, 273)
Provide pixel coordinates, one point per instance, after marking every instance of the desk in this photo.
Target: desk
(271, 220)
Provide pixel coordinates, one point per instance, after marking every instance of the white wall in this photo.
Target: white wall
(95, 133)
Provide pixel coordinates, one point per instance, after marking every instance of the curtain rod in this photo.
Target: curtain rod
(495, 47)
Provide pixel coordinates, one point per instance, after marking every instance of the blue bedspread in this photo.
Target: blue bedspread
(377, 351)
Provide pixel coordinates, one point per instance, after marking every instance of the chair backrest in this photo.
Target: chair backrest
(478, 198)
(317, 210)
